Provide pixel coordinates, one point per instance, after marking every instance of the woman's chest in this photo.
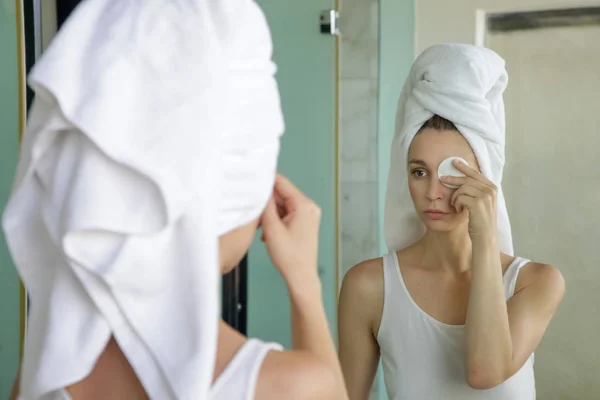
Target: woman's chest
(443, 297)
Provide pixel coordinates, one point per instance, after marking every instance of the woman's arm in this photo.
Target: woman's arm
(501, 336)
(14, 393)
(360, 305)
(311, 369)
(308, 370)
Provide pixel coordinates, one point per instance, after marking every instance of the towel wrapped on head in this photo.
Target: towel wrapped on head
(155, 129)
(463, 84)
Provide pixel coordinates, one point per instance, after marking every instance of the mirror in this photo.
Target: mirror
(550, 180)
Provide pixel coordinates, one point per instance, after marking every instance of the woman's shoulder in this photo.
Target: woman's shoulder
(251, 365)
(365, 279)
(540, 276)
(362, 293)
(294, 375)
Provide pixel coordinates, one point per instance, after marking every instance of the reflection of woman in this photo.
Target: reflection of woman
(148, 163)
(452, 313)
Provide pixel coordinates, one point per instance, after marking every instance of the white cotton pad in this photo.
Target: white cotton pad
(447, 169)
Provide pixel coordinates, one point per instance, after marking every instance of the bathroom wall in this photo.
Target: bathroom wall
(359, 87)
(359, 70)
(9, 126)
(438, 21)
(376, 52)
(552, 121)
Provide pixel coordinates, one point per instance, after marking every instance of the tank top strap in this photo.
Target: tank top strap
(388, 266)
(393, 284)
(511, 275)
(238, 380)
(396, 301)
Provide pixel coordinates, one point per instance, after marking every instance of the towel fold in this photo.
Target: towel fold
(155, 129)
(463, 84)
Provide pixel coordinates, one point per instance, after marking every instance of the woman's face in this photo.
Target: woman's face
(430, 198)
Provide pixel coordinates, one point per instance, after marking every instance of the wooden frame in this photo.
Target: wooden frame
(23, 104)
(29, 47)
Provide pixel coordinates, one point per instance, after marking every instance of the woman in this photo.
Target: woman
(249, 368)
(148, 162)
(452, 313)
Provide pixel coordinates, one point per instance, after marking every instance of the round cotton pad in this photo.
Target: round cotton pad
(447, 169)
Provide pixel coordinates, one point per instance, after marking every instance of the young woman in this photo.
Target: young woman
(148, 164)
(450, 313)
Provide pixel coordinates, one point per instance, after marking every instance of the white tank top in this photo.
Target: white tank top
(238, 380)
(423, 358)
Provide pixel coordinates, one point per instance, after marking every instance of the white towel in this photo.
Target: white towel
(463, 84)
(155, 129)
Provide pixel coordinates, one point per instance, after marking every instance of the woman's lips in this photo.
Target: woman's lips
(435, 214)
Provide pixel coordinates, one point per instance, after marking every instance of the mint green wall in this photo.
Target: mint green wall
(306, 77)
(9, 125)
(396, 54)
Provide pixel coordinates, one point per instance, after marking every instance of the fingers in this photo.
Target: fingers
(472, 193)
(291, 200)
(471, 172)
(286, 190)
(464, 201)
(286, 203)
(465, 169)
(464, 190)
(280, 204)
(287, 196)
(464, 181)
(454, 180)
(271, 219)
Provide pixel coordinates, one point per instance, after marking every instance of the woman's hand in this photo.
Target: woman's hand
(477, 195)
(290, 226)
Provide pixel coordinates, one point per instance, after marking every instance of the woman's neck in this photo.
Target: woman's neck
(450, 251)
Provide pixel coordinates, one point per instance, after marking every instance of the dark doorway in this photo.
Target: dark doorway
(64, 8)
(234, 297)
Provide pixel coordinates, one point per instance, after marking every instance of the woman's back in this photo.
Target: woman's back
(425, 358)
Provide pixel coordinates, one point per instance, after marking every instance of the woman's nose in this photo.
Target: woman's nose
(435, 189)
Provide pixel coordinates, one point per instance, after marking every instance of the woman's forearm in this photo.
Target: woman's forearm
(310, 330)
(489, 344)
(14, 393)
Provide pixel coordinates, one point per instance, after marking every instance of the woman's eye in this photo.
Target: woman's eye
(419, 173)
